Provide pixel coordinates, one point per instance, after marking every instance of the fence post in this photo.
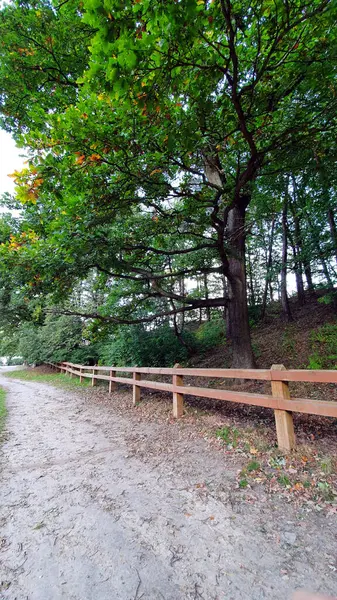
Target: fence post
(178, 399)
(112, 384)
(136, 388)
(81, 378)
(94, 380)
(284, 419)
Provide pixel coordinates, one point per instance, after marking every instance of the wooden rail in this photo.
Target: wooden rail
(279, 400)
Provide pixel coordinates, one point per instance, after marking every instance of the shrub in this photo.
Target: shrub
(324, 347)
(137, 346)
(210, 334)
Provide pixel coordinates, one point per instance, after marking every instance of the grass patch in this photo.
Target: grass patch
(3, 410)
(228, 435)
(58, 379)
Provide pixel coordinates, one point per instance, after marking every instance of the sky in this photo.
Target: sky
(10, 161)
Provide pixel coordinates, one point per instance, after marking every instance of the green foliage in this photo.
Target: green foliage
(284, 480)
(252, 466)
(229, 435)
(327, 465)
(324, 346)
(209, 335)
(57, 339)
(325, 491)
(43, 51)
(329, 298)
(147, 154)
(138, 346)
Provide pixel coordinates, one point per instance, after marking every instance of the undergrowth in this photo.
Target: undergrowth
(324, 346)
(304, 474)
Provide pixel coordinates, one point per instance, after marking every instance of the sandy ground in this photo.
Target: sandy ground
(98, 505)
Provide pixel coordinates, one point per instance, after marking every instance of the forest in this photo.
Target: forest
(180, 175)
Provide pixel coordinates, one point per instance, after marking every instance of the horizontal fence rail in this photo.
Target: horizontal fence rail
(279, 400)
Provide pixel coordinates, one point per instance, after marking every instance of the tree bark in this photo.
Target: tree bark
(298, 273)
(319, 251)
(269, 266)
(232, 226)
(308, 276)
(251, 282)
(284, 295)
(237, 307)
(208, 310)
(333, 230)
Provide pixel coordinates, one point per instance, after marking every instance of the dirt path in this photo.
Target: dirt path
(90, 511)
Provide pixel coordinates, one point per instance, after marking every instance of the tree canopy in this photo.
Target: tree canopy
(174, 148)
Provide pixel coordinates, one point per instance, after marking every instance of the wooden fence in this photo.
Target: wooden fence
(279, 400)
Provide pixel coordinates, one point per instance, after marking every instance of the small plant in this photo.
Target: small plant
(277, 462)
(284, 481)
(325, 491)
(228, 435)
(243, 483)
(329, 298)
(252, 466)
(315, 363)
(327, 466)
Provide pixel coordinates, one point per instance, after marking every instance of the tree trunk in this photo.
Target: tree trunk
(233, 227)
(298, 274)
(284, 295)
(319, 251)
(308, 276)
(251, 282)
(237, 307)
(269, 266)
(225, 295)
(333, 230)
(208, 310)
(297, 209)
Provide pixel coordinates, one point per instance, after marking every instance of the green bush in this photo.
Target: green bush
(324, 347)
(210, 334)
(59, 339)
(63, 338)
(137, 346)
